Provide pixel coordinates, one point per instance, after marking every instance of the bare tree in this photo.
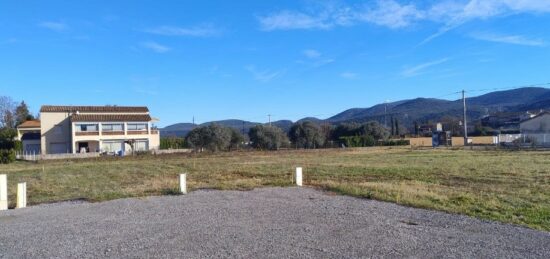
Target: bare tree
(7, 112)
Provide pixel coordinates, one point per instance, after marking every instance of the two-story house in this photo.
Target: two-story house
(77, 129)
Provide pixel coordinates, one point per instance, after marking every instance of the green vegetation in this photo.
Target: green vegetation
(511, 187)
(172, 143)
(214, 137)
(267, 137)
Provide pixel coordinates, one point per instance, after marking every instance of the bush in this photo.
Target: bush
(172, 143)
(7, 156)
(358, 141)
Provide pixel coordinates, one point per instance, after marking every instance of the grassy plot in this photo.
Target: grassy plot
(510, 187)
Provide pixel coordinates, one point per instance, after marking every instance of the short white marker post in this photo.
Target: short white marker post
(183, 183)
(3, 192)
(299, 176)
(21, 195)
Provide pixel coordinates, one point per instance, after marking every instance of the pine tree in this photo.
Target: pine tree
(22, 113)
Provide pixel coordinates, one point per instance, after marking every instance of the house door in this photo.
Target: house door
(83, 147)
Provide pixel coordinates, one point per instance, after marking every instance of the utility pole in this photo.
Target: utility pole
(193, 120)
(269, 118)
(465, 124)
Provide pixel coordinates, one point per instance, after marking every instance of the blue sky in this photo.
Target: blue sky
(246, 59)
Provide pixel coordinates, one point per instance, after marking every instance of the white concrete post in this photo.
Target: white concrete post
(183, 183)
(3, 192)
(299, 176)
(21, 195)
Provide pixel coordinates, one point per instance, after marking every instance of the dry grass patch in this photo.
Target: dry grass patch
(511, 187)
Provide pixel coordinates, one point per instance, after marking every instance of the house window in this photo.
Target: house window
(112, 127)
(137, 126)
(112, 146)
(86, 127)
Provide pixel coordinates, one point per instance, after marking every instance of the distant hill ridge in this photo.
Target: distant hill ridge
(407, 111)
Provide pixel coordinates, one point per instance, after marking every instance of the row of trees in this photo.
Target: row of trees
(305, 134)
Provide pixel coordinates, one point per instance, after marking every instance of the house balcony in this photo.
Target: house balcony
(112, 133)
(87, 133)
(137, 132)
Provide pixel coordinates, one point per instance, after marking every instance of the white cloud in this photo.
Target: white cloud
(263, 76)
(314, 58)
(387, 13)
(196, 31)
(156, 47)
(510, 39)
(393, 14)
(54, 26)
(287, 20)
(418, 69)
(349, 75)
(453, 14)
(311, 53)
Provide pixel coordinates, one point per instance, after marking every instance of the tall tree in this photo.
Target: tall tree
(22, 113)
(267, 137)
(7, 110)
(306, 134)
(416, 128)
(212, 137)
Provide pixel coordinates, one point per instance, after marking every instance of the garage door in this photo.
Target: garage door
(58, 148)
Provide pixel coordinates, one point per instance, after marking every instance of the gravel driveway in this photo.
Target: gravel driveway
(263, 223)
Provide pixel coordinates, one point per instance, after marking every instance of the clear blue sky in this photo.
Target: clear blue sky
(246, 59)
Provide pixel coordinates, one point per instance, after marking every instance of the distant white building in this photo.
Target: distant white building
(536, 129)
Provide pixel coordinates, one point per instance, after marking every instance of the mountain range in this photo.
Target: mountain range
(408, 111)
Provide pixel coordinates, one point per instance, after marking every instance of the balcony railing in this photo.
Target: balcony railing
(111, 133)
(87, 133)
(136, 132)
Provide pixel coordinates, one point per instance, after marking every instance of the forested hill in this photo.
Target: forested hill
(407, 111)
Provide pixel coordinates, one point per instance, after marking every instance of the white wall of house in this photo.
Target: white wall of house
(538, 125)
(55, 129)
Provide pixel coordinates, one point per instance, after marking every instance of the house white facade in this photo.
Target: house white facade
(537, 129)
(85, 129)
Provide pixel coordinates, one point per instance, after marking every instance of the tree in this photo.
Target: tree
(267, 137)
(236, 139)
(306, 134)
(374, 129)
(22, 113)
(212, 137)
(345, 130)
(416, 128)
(7, 138)
(7, 111)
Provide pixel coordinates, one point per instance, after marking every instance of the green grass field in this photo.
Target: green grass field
(512, 187)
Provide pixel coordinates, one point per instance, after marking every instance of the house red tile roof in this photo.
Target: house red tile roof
(110, 117)
(130, 109)
(30, 124)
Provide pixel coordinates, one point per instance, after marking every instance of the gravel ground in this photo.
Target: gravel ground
(263, 223)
